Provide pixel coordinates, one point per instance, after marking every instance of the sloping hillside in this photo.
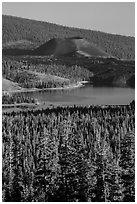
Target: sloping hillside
(15, 29)
(69, 46)
(8, 85)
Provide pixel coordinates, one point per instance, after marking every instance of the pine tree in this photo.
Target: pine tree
(127, 163)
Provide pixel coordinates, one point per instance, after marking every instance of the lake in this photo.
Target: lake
(86, 95)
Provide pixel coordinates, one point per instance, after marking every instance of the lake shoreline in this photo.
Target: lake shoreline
(8, 108)
(27, 90)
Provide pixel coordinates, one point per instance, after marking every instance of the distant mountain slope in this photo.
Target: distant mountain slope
(67, 46)
(37, 32)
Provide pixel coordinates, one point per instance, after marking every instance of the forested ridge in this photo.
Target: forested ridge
(69, 154)
(99, 71)
(25, 74)
(31, 33)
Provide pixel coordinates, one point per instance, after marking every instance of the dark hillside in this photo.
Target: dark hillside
(67, 46)
(36, 32)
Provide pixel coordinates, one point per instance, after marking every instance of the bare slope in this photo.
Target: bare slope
(8, 85)
(48, 77)
(67, 46)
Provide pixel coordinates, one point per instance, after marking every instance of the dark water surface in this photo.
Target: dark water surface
(86, 95)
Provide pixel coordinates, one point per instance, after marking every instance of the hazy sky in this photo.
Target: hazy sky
(111, 17)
